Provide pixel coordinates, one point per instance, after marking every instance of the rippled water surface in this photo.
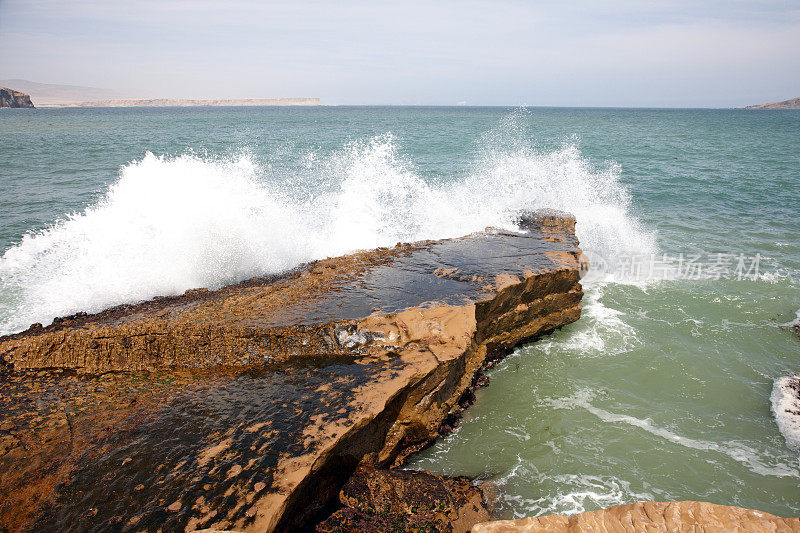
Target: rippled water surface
(662, 389)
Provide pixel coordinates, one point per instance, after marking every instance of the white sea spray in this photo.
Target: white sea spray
(785, 400)
(169, 224)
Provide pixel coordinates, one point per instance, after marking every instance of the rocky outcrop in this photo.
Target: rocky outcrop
(792, 103)
(12, 98)
(249, 407)
(402, 500)
(649, 516)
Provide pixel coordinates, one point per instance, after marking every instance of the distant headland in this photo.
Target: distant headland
(792, 103)
(12, 98)
(52, 95)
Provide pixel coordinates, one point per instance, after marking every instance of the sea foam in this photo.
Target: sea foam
(576, 493)
(168, 224)
(785, 399)
(756, 461)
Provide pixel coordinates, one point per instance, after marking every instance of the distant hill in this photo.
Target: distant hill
(180, 102)
(47, 94)
(51, 95)
(792, 103)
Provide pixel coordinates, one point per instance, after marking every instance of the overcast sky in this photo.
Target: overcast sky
(678, 53)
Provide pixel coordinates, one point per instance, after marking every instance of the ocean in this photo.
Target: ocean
(668, 388)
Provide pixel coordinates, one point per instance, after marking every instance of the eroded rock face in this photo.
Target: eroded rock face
(405, 501)
(650, 516)
(12, 98)
(248, 408)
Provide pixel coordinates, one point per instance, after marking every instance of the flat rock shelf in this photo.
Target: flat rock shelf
(249, 407)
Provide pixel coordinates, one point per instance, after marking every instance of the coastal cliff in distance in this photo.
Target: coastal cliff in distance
(54, 95)
(792, 103)
(12, 98)
(182, 102)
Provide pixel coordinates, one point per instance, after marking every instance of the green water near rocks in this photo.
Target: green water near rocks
(656, 394)
(661, 390)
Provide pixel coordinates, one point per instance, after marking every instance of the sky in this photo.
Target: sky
(673, 53)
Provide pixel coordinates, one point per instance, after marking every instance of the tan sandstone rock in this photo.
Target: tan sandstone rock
(688, 516)
(248, 408)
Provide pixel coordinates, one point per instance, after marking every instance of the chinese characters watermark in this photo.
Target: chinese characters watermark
(691, 267)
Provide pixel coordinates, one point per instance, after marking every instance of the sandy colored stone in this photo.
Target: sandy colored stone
(687, 516)
(254, 404)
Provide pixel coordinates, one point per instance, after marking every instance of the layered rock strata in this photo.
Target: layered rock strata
(652, 517)
(248, 408)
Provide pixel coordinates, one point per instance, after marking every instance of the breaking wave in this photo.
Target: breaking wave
(169, 224)
(576, 493)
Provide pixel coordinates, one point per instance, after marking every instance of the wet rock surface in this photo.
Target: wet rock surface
(650, 516)
(249, 407)
(406, 501)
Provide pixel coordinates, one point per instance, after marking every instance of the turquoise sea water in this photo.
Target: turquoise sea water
(661, 390)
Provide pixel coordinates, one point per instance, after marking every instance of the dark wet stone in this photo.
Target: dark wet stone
(249, 407)
(406, 501)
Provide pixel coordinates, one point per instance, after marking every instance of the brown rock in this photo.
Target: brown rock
(405, 500)
(651, 517)
(286, 383)
(12, 98)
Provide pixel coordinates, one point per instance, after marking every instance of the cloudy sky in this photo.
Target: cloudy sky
(674, 53)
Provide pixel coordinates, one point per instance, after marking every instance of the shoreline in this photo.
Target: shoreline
(183, 102)
(630, 400)
(131, 103)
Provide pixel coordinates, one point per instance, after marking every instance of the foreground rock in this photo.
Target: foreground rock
(249, 407)
(401, 500)
(12, 98)
(650, 516)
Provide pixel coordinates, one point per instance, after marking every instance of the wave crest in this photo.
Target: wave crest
(169, 224)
